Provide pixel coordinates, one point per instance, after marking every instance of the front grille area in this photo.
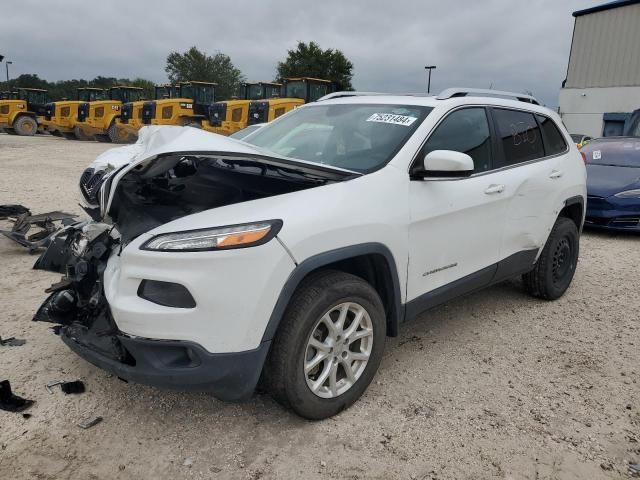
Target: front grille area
(148, 112)
(126, 112)
(83, 112)
(49, 110)
(90, 185)
(217, 113)
(258, 112)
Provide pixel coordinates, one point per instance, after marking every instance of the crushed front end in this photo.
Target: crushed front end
(78, 305)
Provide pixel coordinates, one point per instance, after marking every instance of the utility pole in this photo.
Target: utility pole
(6, 64)
(431, 67)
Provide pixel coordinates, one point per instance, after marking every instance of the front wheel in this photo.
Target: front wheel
(329, 345)
(26, 126)
(556, 266)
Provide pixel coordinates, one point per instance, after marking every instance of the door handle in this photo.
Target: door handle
(491, 189)
(556, 174)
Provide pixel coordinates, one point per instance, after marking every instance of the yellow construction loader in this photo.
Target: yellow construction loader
(19, 115)
(130, 120)
(229, 116)
(295, 92)
(189, 108)
(98, 119)
(61, 117)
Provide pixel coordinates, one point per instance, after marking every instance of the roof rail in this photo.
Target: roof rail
(482, 92)
(348, 94)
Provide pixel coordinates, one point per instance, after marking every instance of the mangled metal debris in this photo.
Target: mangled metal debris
(7, 211)
(90, 422)
(11, 402)
(35, 231)
(75, 386)
(12, 342)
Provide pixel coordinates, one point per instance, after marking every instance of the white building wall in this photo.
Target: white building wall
(581, 109)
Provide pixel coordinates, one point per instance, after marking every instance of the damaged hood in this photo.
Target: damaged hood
(158, 142)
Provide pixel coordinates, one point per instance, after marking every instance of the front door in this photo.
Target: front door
(456, 223)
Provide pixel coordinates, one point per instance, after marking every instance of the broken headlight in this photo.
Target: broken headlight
(219, 238)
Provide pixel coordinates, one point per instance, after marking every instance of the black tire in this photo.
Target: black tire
(284, 373)
(556, 266)
(116, 136)
(77, 131)
(102, 138)
(55, 133)
(69, 135)
(25, 126)
(193, 125)
(10, 131)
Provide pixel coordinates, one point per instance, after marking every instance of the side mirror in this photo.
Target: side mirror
(447, 163)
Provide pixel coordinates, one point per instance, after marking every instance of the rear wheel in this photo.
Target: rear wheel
(80, 135)
(117, 136)
(556, 266)
(26, 126)
(69, 135)
(102, 138)
(329, 345)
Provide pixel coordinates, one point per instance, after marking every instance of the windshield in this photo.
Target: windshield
(359, 137)
(255, 92)
(240, 134)
(296, 89)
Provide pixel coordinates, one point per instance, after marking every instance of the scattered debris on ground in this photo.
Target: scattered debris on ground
(12, 342)
(90, 422)
(72, 387)
(11, 402)
(45, 225)
(8, 211)
(75, 386)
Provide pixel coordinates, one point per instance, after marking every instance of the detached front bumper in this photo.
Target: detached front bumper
(177, 365)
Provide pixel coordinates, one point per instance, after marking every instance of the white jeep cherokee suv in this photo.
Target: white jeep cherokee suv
(212, 263)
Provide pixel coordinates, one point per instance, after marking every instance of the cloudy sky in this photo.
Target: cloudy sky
(509, 45)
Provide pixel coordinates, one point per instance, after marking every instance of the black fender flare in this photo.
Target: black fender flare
(395, 315)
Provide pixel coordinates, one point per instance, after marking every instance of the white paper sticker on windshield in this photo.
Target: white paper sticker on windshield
(597, 155)
(392, 118)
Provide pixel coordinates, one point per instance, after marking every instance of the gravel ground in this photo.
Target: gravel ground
(494, 385)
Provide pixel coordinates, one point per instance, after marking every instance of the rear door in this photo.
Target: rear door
(532, 171)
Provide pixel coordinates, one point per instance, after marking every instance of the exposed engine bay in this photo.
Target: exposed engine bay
(152, 194)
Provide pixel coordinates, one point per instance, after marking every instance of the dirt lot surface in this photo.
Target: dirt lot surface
(494, 385)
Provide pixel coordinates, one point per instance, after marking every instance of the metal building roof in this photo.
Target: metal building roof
(605, 6)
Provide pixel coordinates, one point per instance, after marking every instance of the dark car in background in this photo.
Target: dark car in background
(613, 182)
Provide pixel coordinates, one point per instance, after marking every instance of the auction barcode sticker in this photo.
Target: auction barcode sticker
(392, 119)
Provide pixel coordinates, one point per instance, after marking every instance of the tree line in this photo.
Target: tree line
(307, 59)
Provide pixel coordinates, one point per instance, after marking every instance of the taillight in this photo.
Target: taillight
(584, 157)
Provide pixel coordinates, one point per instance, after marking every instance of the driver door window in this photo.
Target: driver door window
(466, 131)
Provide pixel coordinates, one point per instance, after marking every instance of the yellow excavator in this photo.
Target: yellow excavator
(229, 116)
(295, 92)
(60, 118)
(130, 120)
(19, 115)
(97, 119)
(189, 108)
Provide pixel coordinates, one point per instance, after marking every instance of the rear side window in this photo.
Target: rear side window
(553, 140)
(466, 131)
(519, 135)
